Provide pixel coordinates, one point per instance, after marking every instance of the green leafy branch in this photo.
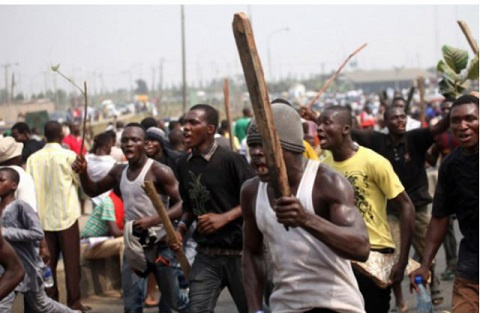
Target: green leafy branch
(456, 71)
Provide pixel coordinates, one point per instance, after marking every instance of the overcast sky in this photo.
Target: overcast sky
(111, 46)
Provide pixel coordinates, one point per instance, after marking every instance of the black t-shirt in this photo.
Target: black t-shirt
(457, 193)
(29, 147)
(214, 186)
(407, 159)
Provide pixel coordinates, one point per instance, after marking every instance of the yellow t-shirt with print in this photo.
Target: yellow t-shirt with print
(374, 181)
(309, 153)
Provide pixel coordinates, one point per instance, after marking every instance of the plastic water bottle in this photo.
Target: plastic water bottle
(48, 277)
(424, 302)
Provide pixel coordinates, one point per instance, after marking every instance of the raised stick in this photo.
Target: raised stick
(332, 78)
(409, 99)
(84, 116)
(151, 192)
(421, 90)
(56, 68)
(253, 71)
(466, 31)
(226, 95)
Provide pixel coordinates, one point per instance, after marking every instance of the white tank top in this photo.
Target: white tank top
(135, 201)
(307, 274)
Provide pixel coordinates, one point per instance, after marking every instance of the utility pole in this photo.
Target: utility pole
(268, 49)
(152, 89)
(5, 67)
(160, 82)
(12, 88)
(184, 69)
(160, 85)
(45, 84)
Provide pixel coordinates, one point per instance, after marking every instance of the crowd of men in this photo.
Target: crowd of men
(358, 197)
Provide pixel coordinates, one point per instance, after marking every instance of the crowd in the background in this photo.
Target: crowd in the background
(360, 199)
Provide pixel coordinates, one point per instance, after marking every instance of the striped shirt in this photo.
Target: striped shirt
(97, 223)
(56, 186)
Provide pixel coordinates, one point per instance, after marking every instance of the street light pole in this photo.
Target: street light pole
(184, 68)
(268, 49)
(5, 67)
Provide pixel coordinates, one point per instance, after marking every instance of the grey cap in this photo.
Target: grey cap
(288, 125)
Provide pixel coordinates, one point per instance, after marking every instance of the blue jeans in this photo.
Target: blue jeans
(209, 275)
(134, 286)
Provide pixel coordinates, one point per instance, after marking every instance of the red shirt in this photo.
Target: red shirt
(74, 144)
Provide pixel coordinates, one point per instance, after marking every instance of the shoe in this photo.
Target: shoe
(448, 274)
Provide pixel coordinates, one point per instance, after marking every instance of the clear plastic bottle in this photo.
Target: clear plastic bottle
(424, 302)
(48, 277)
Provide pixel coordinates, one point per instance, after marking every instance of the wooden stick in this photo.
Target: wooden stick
(409, 99)
(466, 31)
(151, 192)
(85, 108)
(226, 95)
(253, 71)
(332, 78)
(421, 90)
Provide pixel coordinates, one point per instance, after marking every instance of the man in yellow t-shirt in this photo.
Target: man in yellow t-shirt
(374, 182)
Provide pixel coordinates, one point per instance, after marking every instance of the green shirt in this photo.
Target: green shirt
(240, 129)
(97, 225)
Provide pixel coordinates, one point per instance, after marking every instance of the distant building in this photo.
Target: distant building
(377, 80)
(14, 112)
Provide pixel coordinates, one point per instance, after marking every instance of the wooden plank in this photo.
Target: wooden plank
(226, 95)
(421, 90)
(468, 34)
(409, 99)
(253, 71)
(151, 192)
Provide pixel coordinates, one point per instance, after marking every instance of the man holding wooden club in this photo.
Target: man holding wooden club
(154, 255)
(311, 271)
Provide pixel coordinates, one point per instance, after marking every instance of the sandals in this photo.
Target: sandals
(437, 297)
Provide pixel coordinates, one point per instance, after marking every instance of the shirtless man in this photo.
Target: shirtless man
(139, 209)
(13, 269)
(311, 272)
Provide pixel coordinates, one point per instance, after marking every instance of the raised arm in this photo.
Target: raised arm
(14, 271)
(441, 126)
(432, 154)
(253, 265)
(340, 226)
(95, 188)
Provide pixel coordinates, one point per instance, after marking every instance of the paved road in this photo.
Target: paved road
(112, 303)
(226, 305)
